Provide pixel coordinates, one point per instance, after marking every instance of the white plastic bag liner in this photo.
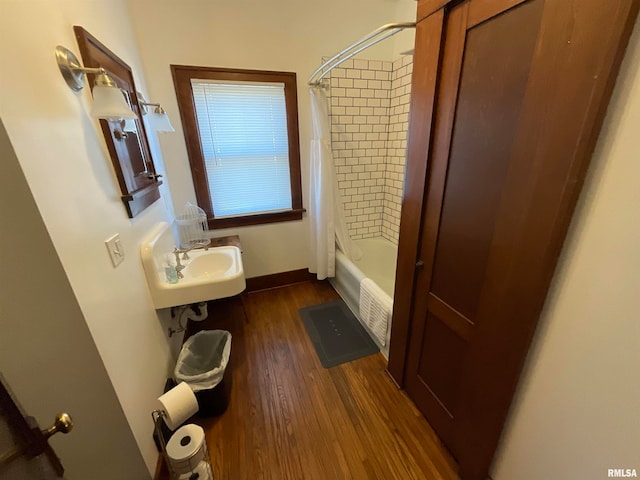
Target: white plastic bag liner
(203, 359)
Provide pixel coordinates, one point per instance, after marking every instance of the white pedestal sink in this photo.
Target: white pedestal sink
(208, 274)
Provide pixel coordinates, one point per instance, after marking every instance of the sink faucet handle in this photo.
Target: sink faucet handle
(200, 243)
(177, 252)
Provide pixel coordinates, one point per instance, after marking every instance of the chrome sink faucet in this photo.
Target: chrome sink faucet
(178, 251)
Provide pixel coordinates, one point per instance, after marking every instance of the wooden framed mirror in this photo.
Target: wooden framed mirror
(129, 150)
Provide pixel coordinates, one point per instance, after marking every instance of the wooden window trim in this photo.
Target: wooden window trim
(182, 75)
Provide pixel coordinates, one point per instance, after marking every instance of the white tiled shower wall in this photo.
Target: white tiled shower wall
(369, 122)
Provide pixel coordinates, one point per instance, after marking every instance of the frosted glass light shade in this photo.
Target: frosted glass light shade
(129, 125)
(160, 122)
(109, 103)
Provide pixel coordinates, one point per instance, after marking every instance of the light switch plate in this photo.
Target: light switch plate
(114, 247)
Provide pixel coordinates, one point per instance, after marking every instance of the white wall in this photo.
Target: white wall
(577, 412)
(62, 153)
(404, 41)
(287, 35)
(47, 355)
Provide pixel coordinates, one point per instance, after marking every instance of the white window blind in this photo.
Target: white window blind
(243, 135)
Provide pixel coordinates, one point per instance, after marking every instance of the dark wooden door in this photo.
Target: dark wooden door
(520, 93)
(24, 449)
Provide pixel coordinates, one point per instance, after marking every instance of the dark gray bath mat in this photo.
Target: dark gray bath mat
(336, 333)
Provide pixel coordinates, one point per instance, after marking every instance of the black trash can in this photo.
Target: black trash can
(204, 364)
(214, 401)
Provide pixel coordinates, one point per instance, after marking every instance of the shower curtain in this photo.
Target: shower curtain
(326, 215)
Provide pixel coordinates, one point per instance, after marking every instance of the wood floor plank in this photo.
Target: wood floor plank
(290, 418)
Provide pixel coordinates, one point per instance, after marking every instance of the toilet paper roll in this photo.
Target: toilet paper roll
(202, 469)
(179, 404)
(185, 448)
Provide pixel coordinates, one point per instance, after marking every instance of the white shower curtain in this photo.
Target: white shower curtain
(326, 216)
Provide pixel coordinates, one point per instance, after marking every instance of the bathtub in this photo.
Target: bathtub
(378, 263)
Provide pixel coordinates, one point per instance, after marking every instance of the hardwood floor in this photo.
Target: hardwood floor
(290, 418)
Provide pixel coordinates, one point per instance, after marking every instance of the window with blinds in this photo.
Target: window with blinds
(246, 160)
(243, 136)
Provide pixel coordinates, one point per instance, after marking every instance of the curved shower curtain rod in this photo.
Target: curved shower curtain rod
(374, 37)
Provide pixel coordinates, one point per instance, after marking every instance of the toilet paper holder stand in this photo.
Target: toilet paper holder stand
(158, 420)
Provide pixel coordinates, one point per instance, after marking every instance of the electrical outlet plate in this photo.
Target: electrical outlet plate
(114, 247)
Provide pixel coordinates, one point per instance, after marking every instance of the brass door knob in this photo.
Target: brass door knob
(62, 424)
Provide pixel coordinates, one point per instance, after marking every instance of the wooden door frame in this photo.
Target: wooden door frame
(429, 7)
(422, 117)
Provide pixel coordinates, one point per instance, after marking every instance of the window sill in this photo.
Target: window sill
(259, 219)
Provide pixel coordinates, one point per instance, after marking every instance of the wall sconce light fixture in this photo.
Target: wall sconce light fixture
(109, 102)
(159, 120)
